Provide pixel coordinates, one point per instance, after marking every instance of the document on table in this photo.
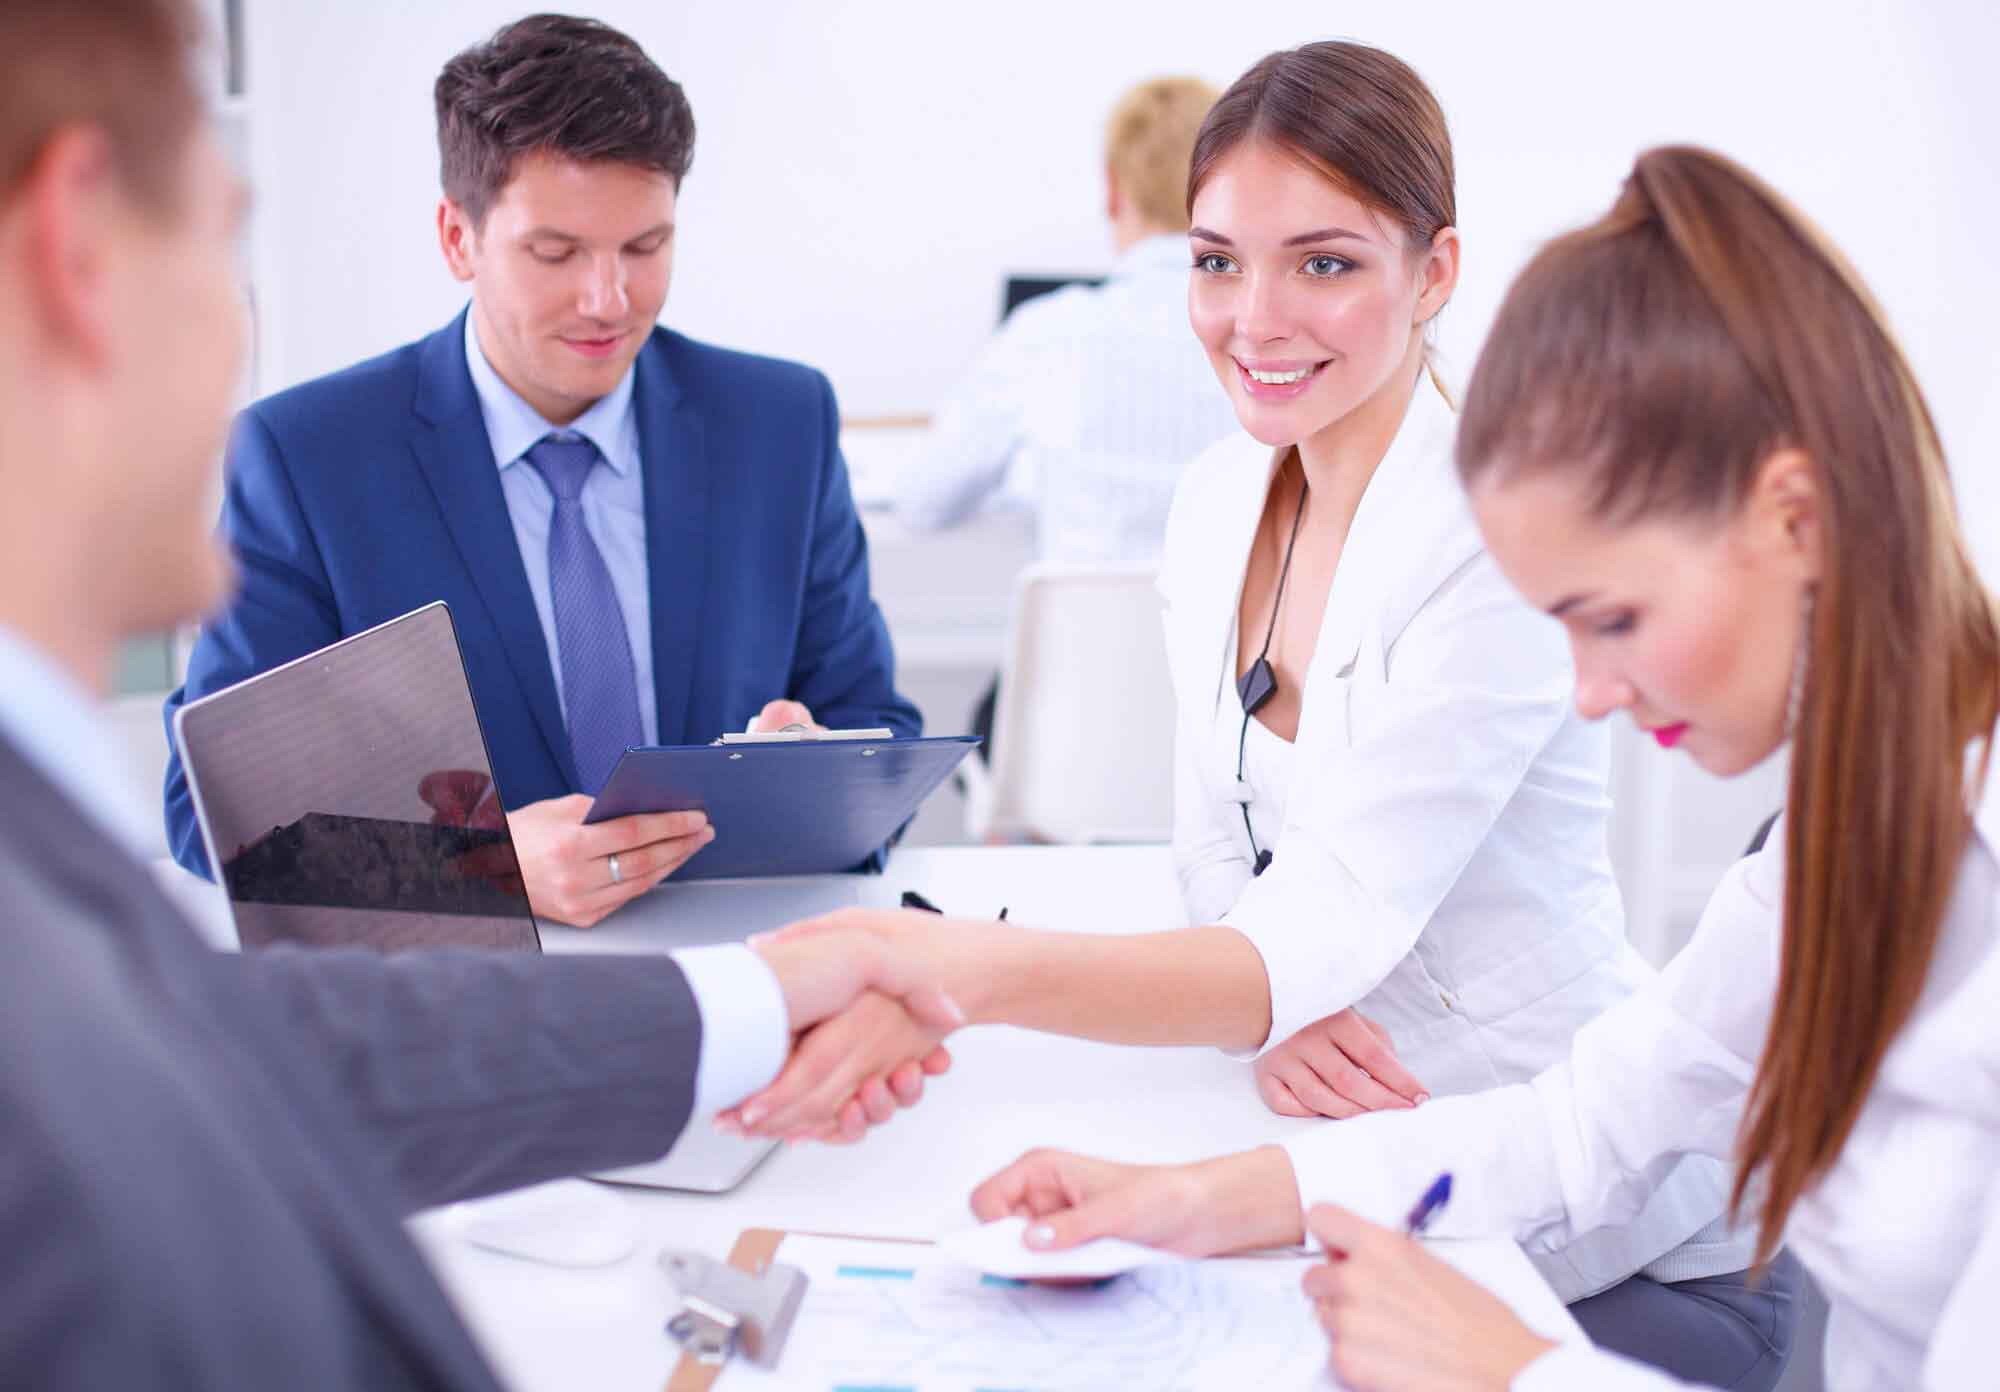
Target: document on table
(896, 1317)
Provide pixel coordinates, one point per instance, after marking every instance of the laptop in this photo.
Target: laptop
(347, 799)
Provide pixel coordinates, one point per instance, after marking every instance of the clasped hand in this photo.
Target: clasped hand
(856, 1064)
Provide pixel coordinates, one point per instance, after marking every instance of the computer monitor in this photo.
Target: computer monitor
(1022, 288)
(346, 798)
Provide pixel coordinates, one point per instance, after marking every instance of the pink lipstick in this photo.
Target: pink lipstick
(1670, 735)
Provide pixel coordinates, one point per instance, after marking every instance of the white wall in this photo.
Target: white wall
(867, 170)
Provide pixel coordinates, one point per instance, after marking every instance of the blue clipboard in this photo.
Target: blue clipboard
(812, 807)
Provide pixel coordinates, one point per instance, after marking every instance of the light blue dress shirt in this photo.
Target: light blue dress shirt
(614, 508)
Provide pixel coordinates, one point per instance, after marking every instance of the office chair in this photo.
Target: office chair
(1083, 729)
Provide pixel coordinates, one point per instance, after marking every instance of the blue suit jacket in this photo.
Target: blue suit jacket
(360, 496)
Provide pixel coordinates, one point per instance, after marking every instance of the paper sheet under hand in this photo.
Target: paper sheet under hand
(996, 1249)
(882, 1315)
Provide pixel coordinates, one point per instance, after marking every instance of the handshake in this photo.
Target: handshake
(870, 998)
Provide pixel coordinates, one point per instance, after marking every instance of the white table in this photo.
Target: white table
(1008, 1091)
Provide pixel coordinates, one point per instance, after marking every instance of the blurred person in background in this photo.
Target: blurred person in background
(1097, 393)
(1096, 396)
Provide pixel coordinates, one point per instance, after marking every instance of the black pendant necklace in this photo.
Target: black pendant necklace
(1258, 685)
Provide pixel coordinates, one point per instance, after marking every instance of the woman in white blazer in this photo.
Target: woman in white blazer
(1435, 808)
(1692, 438)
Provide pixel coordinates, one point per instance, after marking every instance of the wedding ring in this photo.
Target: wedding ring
(617, 875)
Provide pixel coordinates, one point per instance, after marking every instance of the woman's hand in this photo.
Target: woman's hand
(956, 955)
(1402, 1320)
(1232, 1204)
(1338, 1067)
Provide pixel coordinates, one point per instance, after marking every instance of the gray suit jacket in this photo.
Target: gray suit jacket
(205, 1157)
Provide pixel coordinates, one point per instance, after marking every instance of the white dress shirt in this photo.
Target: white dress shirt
(1100, 395)
(614, 509)
(1438, 826)
(56, 726)
(1903, 1233)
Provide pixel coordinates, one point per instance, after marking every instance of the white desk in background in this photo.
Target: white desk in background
(1008, 1091)
(946, 595)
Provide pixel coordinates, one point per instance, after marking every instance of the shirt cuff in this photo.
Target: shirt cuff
(745, 1034)
(1320, 960)
(1378, 1165)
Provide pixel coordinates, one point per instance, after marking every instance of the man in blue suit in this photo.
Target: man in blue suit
(642, 538)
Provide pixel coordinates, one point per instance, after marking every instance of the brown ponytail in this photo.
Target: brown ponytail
(1668, 349)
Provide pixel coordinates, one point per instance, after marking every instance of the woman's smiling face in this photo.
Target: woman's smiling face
(1307, 299)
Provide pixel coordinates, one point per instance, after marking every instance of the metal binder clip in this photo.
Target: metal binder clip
(724, 1309)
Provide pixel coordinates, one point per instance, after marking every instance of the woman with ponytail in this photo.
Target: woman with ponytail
(1692, 439)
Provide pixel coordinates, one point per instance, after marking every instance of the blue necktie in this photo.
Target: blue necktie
(600, 687)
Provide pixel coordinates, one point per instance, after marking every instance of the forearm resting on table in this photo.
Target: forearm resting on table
(1190, 986)
(1253, 1196)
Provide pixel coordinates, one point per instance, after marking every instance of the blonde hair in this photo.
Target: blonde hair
(1148, 141)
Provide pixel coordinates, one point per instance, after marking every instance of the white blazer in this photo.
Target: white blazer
(1903, 1233)
(1442, 863)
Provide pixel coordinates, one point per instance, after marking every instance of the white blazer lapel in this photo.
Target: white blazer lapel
(1389, 564)
(1202, 607)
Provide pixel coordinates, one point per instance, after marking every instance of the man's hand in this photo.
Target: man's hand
(461, 798)
(1231, 1204)
(1404, 1321)
(778, 714)
(866, 1062)
(567, 865)
(1338, 1067)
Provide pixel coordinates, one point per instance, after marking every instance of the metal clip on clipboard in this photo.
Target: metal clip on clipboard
(800, 734)
(725, 1309)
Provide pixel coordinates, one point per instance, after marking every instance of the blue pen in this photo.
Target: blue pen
(1427, 1207)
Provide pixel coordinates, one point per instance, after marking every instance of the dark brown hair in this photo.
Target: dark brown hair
(558, 85)
(1664, 352)
(1360, 116)
(124, 67)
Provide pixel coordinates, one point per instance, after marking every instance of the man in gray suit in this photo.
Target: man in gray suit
(205, 1157)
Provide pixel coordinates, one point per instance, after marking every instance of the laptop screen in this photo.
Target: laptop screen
(347, 799)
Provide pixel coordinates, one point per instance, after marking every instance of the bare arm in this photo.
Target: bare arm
(1190, 986)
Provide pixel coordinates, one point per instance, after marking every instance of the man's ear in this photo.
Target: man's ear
(1114, 196)
(1784, 510)
(1439, 274)
(72, 212)
(456, 238)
